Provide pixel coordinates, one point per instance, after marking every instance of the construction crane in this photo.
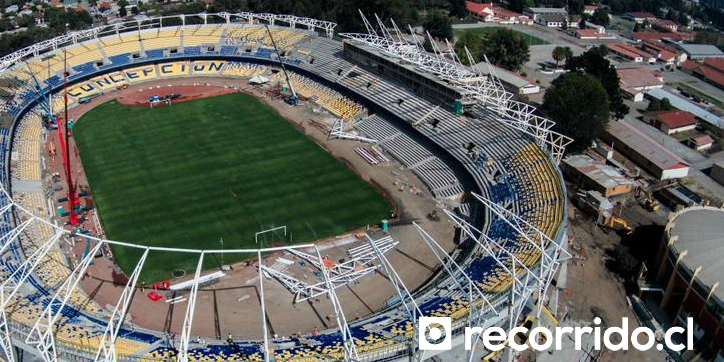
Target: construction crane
(293, 99)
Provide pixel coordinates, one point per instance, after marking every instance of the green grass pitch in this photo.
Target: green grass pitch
(226, 167)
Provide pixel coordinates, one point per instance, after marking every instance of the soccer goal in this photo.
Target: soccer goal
(275, 234)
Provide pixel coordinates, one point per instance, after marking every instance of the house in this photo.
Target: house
(505, 16)
(590, 9)
(685, 105)
(489, 13)
(549, 17)
(592, 34)
(664, 25)
(675, 37)
(635, 82)
(700, 51)
(671, 122)
(482, 11)
(665, 53)
(711, 70)
(700, 142)
(631, 53)
(645, 151)
(591, 174)
(640, 17)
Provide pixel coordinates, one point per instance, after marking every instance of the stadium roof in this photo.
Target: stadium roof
(701, 234)
(684, 105)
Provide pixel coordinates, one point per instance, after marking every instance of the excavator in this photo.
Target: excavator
(616, 223)
(599, 206)
(647, 200)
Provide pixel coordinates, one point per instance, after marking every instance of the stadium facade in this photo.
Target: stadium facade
(499, 159)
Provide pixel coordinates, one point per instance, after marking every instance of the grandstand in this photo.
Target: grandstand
(495, 176)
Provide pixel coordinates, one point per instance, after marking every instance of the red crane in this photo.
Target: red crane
(65, 147)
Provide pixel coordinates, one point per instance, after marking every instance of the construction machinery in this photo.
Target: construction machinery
(647, 201)
(601, 207)
(616, 223)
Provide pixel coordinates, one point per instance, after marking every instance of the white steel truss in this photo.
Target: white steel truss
(42, 335)
(183, 350)
(107, 345)
(10, 287)
(350, 349)
(552, 253)
(338, 131)
(340, 274)
(485, 90)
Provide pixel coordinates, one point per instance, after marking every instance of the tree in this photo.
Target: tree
(471, 41)
(594, 62)
(683, 19)
(579, 105)
(560, 54)
(438, 25)
(122, 5)
(600, 17)
(637, 27)
(506, 48)
(135, 10)
(458, 8)
(582, 22)
(659, 105)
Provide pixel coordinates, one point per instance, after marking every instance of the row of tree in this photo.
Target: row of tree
(58, 21)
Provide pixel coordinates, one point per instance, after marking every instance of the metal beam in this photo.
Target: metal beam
(42, 335)
(107, 344)
(350, 350)
(189, 317)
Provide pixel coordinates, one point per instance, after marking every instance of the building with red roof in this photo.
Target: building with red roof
(592, 34)
(701, 142)
(710, 70)
(489, 13)
(631, 53)
(664, 52)
(482, 11)
(663, 24)
(634, 82)
(678, 36)
(671, 122)
(590, 9)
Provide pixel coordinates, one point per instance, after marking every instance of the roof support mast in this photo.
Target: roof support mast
(63, 132)
(281, 63)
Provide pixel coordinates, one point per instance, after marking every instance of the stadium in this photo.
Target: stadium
(253, 187)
